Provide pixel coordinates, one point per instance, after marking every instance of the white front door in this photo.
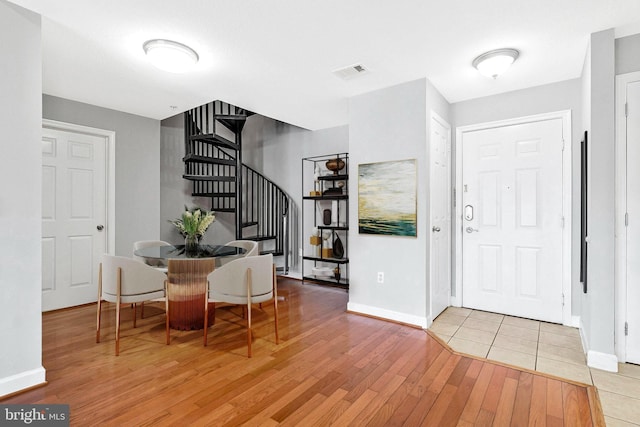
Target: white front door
(512, 220)
(440, 226)
(633, 229)
(73, 217)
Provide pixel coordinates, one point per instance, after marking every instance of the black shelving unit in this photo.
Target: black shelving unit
(325, 189)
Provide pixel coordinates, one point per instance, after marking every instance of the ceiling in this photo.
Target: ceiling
(277, 57)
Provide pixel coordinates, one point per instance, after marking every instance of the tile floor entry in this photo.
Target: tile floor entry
(543, 347)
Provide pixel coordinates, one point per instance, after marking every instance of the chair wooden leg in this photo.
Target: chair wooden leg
(275, 302)
(249, 278)
(142, 310)
(98, 315)
(249, 330)
(118, 312)
(135, 313)
(166, 311)
(206, 317)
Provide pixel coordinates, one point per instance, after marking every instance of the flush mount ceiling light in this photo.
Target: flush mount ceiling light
(170, 56)
(495, 62)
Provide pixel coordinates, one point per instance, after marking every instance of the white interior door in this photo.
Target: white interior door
(633, 227)
(440, 207)
(512, 220)
(73, 217)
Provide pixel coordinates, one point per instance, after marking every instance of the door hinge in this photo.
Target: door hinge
(626, 219)
(454, 197)
(563, 300)
(626, 109)
(563, 144)
(626, 328)
(562, 222)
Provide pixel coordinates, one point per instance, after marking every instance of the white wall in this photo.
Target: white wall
(137, 165)
(628, 54)
(598, 303)
(392, 124)
(20, 205)
(559, 96)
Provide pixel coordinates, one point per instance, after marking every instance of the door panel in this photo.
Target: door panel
(633, 229)
(440, 206)
(73, 205)
(512, 247)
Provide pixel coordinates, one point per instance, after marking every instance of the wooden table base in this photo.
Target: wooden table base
(186, 292)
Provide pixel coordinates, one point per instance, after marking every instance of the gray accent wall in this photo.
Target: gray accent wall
(137, 165)
(20, 199)
(559, 96)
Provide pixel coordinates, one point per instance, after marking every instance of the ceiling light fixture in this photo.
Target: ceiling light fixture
(170, 56)
(495, 62)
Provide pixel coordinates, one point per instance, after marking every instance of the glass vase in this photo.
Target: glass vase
(191, 246)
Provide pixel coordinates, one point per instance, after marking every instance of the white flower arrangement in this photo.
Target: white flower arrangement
(194, 222)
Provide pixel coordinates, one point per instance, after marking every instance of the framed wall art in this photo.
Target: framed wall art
(387, 198)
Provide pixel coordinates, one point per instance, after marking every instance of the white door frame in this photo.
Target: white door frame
(565, 116)
(620, 277)
(110, 170)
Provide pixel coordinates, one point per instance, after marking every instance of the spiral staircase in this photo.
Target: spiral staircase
(213, 163)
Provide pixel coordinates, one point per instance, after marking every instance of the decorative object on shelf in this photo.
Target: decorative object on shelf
(387, 198)
(327, 252)
(338, 248)
(315, 240)
(336, 273)
(333, 191)
(326, 216)
(315, 193)
(321, 271)
(192, 225)
(335, 165)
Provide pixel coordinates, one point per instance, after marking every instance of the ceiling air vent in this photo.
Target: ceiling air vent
(351, 71)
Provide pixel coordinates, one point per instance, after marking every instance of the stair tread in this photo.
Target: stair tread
(249, 223)
(259, 238)
(209, 194)
(194, 158)
(212, 138)
(209, 178)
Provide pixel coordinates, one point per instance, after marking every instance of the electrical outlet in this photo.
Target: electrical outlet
(380, 277)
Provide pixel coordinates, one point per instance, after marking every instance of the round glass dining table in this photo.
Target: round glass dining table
(187, 279)
(178, 252)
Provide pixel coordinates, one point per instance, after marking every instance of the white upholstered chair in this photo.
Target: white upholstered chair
(125, 280)
(141, 244)
(246, 281)
(250, 246)
(251, 249)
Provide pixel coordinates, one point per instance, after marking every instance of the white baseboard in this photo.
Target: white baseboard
(604, 361)
(575, 322)
(388, 314)
(455, 302)
(22, 381)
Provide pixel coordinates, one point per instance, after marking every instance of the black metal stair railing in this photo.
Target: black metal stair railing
(211, 162)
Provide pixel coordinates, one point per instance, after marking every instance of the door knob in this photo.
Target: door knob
(100, 227)
(471, 230)
(435, 229)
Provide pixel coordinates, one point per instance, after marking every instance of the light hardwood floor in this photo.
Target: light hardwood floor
(331, 368)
